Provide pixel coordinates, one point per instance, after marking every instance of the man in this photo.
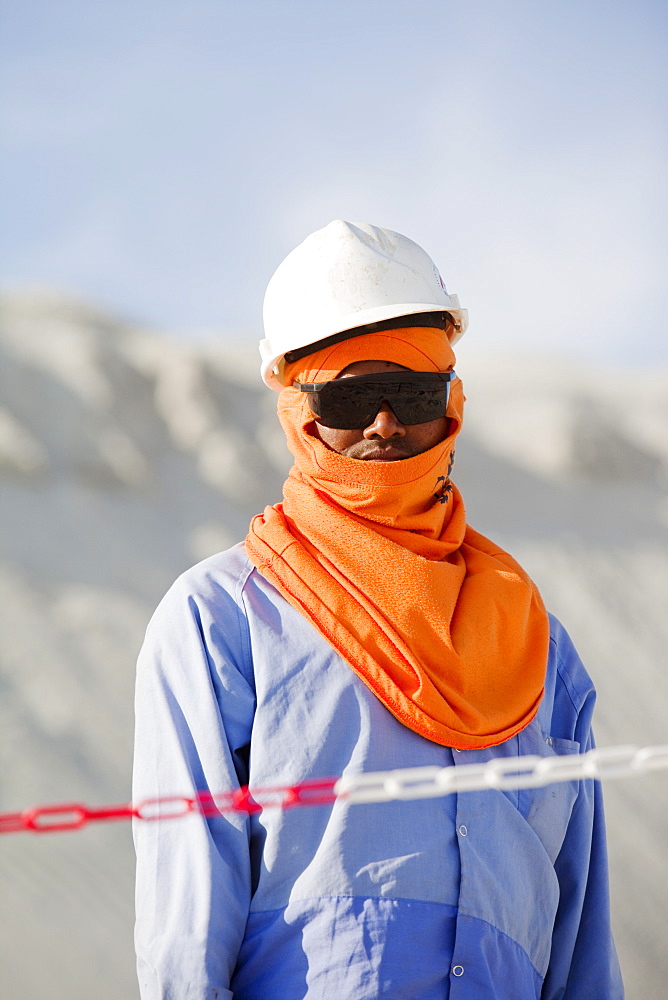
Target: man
(364, 626)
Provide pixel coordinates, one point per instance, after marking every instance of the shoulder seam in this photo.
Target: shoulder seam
(562, 670)
(244, 628)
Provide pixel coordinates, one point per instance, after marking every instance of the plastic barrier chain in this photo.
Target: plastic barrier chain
(502, 773)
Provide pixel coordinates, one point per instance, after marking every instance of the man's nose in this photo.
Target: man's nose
(385, 424)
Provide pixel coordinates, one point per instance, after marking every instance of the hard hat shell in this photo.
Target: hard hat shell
(345, 276)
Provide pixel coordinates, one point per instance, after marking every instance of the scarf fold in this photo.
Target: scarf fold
(442, 625)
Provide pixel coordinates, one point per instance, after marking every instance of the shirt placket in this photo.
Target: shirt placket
(460, 961)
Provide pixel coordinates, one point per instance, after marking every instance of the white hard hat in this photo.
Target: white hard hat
(343, 277)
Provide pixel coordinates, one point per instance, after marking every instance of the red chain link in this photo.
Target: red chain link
(74, 815)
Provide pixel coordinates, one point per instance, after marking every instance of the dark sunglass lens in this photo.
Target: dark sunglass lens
(419, 407)
(352, 404)
(346, 407)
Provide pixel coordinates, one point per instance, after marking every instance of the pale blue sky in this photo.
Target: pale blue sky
(161, 157)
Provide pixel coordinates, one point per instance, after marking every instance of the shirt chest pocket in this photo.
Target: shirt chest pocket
(547, 810)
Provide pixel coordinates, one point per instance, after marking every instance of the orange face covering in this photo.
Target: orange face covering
(441, 624)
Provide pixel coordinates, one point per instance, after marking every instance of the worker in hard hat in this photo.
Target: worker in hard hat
(365, 626)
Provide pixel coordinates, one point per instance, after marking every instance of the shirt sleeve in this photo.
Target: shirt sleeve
(194, 708)
(583, 963)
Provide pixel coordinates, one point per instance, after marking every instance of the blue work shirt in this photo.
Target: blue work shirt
(493, 895)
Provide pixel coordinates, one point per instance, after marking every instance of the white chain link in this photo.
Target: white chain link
(503, 773)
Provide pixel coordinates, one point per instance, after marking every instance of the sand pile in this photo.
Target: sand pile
(126, 456)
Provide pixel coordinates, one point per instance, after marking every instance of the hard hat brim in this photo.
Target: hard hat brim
(270, 361)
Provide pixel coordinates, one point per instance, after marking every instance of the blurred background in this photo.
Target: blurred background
(159, 159)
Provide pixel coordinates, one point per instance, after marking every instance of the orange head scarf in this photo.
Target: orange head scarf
(442, 625)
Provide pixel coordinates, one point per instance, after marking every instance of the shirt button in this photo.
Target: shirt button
(458, 970)
(462, 831)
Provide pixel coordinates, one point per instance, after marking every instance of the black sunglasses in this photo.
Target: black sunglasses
(352, 403)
